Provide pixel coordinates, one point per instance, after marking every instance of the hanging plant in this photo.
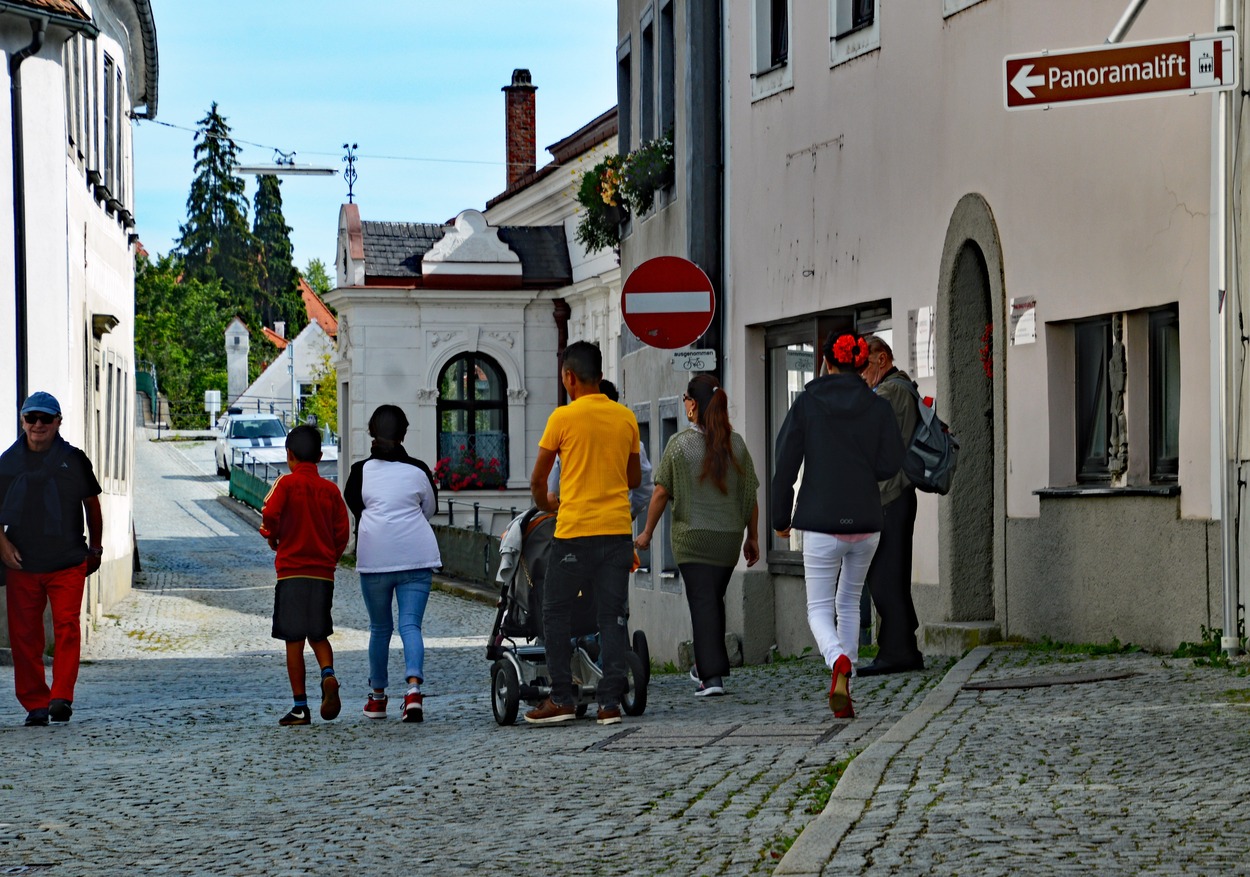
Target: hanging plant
(647, 169)
(603, 205)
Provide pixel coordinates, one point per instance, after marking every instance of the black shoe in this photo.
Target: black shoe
(297, 716)
(60, 710)
(881, 668)
(37, 718)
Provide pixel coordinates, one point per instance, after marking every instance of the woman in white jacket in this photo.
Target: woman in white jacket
(393, 497)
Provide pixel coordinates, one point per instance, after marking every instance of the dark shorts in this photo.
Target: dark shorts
(301, 609)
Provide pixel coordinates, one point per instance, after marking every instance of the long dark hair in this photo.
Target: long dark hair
(712, 413)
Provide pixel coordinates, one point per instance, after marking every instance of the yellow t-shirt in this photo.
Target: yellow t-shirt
(594, 437)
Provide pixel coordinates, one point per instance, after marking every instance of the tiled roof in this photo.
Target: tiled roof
(317, 310)
(273, 338)
(394, 249)
(543, 251)
(68, 8)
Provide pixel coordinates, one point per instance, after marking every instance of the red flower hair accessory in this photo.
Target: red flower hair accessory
(852, 351)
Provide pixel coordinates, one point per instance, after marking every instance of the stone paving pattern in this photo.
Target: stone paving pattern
(174, 763)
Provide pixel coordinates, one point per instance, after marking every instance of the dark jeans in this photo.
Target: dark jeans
(705, 592)
(598, 565)
(889, 582)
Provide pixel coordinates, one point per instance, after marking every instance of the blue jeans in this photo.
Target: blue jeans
(411, 590)
(597, 565)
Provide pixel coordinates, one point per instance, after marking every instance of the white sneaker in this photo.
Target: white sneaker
(694, 674)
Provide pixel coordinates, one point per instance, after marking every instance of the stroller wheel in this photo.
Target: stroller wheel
(505, 692)
(634, 701)
(643, 651)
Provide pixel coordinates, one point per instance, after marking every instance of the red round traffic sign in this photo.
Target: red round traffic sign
(667, 302)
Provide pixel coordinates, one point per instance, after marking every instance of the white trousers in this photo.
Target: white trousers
(835, 571)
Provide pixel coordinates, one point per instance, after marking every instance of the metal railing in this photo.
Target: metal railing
(478, 508)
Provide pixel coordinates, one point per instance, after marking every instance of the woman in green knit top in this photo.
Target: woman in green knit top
(708, 475)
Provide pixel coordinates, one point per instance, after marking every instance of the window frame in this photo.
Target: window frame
(1091, 346)
(1165, 394)
(770, 75)
(472, 406)
(624, 96)
(849, 39)
(646, 77)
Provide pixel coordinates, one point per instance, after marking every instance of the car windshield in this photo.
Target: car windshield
(250, 429)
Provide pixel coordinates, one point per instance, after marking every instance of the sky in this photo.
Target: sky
(415, 84)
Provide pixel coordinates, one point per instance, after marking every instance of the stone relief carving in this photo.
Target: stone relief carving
(344, 336)
(517, 394)
(436, 338)
(506, 339)
(427, 395)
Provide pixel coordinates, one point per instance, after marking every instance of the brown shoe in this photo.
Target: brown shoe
(331, 705)
(549, 712)
(610, 715)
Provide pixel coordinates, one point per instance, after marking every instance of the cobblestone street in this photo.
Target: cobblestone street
(174, 762)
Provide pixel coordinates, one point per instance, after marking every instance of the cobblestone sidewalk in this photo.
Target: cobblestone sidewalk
(174, 762)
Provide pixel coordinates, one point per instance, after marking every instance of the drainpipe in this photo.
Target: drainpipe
(1228, 13)
(39, 30)
(562, 312)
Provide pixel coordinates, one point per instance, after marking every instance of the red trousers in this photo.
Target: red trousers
(28, 594)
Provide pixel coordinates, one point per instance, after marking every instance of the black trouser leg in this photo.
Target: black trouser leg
(889, 582)
(705, 592)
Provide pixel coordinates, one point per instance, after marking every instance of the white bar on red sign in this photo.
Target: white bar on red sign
(668, 302)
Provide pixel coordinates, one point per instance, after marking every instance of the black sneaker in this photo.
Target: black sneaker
(60, 710)
(37, 718)
(297, 716)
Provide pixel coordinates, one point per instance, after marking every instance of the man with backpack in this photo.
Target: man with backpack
(889, 576)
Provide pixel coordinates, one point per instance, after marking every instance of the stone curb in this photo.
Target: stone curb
(816, 846)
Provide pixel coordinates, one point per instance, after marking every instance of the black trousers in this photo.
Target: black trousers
(705, 592)
(889, 583)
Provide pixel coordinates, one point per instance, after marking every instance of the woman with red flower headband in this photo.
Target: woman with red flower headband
(845, 440)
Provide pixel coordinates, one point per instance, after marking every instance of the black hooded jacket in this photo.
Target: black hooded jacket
(847, 440)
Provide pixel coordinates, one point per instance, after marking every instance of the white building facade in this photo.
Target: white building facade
(1050, 277)
(84, 70)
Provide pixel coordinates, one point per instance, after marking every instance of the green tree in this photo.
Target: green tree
(278, 279)
(318, 277)
(215, 241)
(180, 328)
(324, 402)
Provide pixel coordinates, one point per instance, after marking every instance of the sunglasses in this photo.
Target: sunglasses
(39, 417)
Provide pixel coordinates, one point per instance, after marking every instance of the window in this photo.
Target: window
(110, 122)
(624, 98)
(1165, 393)
(646, 96)
(668, 70)
(856, 28)
(791, 361)
(473, 422)
(772, 71)
(1093, 399)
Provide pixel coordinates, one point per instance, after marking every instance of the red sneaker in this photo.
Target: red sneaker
(375, 708)
(412, 708)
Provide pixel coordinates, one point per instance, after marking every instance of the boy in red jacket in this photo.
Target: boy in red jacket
(305, 521)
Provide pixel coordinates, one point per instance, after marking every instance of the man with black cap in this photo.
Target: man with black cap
(47, 486)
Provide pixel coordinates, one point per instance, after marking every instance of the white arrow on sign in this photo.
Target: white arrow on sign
(1024, 84)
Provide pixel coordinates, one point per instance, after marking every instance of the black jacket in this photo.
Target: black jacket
(847, 440)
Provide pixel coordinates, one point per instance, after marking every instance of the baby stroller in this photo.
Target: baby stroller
(519, 672)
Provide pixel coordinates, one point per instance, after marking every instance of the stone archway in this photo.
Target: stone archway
(972, 518)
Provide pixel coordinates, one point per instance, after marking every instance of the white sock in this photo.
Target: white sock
(415, 688)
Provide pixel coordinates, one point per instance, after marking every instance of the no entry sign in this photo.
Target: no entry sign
(1121, 71)
(667, 302)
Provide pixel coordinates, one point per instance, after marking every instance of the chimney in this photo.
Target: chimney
(279, 328)
(519, 125)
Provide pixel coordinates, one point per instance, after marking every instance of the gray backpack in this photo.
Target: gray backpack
(933, 452)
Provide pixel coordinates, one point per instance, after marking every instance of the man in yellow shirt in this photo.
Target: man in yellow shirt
(596, 440)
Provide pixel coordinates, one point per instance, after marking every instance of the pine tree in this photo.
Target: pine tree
(215, 242)
(279, 280)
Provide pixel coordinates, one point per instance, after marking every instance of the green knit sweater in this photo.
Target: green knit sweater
(708, 526)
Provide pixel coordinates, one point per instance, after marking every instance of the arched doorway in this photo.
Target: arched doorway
(472, 423)
(972, 518)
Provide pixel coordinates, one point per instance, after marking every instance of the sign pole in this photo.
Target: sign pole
(1229, 301)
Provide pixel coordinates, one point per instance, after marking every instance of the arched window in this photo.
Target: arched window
(472, 423)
